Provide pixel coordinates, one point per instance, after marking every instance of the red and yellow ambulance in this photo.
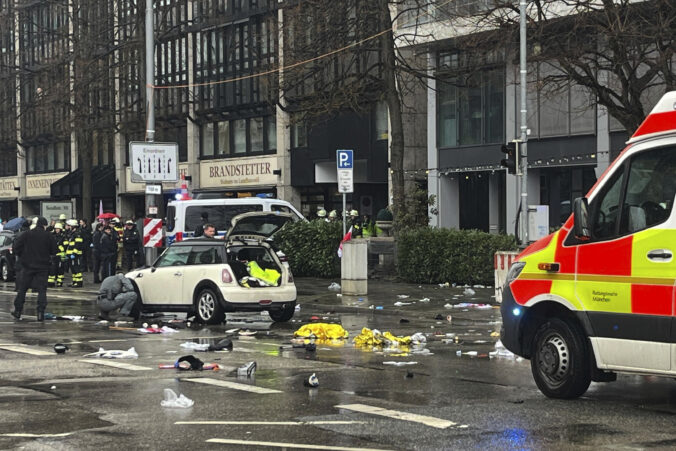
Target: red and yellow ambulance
(598, 296)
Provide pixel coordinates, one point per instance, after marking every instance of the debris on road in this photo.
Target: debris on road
(195, 346)
(471, 305)
(222, 345)
(425, 300)
(247, 370)
(60, 348)
(469, 292)
(334, 287)
(247, 333)
(402, 296)
(401, 304)
(389, 362)
(114, 354)
(171, 399)
(322, 331)
(157, 330)
(312, 381)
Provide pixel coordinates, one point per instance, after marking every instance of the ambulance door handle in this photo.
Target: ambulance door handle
(660, 254)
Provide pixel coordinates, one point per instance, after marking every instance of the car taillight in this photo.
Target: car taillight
(226, 277)
(290, 279)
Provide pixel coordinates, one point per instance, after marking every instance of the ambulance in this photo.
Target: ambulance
(597, 297)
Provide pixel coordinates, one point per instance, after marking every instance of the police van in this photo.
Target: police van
(185, 216)
(598, 296)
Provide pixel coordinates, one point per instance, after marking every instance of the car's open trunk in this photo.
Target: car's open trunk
(254, 266)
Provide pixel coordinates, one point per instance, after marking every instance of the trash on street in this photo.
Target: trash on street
(247, 370)
(472, 305)
(400, 304)
(60, 348)
(223, 345)
(425, 300)
(469, 292)
(312, 381)
(334, 286)
(389, 362)
(114, 354)
(322, 331)
(171, 399)
(195, 346)
(402, 296)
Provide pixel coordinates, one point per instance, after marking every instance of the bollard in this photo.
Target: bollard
(354, 268)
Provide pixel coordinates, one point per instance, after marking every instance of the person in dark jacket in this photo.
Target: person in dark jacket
(108, 249)
(87, 237)
(130, 239)
(96, 252)
(199, 230)
(36, 248)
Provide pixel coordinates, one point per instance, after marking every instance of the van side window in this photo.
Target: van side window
(650, 191)
(171, 218)
(606, 208)
(218, 215)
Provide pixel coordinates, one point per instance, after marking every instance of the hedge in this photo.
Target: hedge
(312, 247)
(432, 255)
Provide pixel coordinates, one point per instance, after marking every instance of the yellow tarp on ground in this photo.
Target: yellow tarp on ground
(322, 331)
(369, 337)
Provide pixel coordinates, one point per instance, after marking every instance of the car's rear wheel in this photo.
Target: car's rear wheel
(4, 272)
(282, 315)
(560, 362)
(208, 307)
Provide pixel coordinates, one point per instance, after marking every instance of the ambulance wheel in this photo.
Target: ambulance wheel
(208, 307)
(560, 362)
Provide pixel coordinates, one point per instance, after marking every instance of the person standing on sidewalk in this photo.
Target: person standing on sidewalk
(108, 248)
(130, 239)
(96, 252)
(36, 248)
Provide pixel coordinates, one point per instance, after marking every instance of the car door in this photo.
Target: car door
(164, 284)
(625, 274)
(204, 264)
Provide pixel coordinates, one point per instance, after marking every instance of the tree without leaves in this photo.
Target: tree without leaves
(371, 68)
(621, 51)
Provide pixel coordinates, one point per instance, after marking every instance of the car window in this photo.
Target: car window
(282, 208)
(651, 186)
(205, 255)
(218, 215)
(606, 208)
(174, 256)
(2, 240)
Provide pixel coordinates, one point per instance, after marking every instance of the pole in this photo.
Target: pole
(151, 201)
(344, 214)
(523, 154)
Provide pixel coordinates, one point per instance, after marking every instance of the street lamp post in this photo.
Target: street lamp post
(524, 128)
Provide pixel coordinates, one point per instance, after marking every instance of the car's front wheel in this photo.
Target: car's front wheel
(208, 307)
(282, 315)
(560, 362)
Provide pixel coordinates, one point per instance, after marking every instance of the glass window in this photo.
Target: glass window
(30, 159)
(239, 134)
(60, 155)
(381, 128)
(282, 208)
(256, 128)
(207, 140)
(50, 157)
(173, 256)
(650, 191)
(298, 135)
(219, 215)
(271, 132)
(606, 209)
(471, 114)
(224, 138)
(447, 122)
(205, 255)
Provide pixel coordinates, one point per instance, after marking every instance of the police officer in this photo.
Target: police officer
(75, 252)
(35, 249)
(130, 240)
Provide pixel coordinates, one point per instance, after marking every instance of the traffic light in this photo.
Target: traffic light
(511, 150)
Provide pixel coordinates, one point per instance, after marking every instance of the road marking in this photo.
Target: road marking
(428, 421)
(26, 435)
(24, 350)
(107, 341)
(233, 385)
(114, 364)
(285, 445)
(268, 423)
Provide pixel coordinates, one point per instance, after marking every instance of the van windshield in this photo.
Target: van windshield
(218, 215)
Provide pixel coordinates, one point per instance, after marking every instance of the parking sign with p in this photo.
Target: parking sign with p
(344, 163)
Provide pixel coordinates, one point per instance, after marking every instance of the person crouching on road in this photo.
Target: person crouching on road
(36, 248)
(116, 292)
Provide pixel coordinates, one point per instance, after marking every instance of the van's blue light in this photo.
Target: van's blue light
(516, 311)
(178, 196)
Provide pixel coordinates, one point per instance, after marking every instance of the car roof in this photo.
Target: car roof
(200, 240)
(237, 201)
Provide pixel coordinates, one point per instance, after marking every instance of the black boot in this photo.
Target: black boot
(17, 315)
(41, 315)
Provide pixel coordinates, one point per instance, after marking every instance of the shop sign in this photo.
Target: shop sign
(52, 210)
(133, 187)
(40, 185)
(238, 172)
(7, 185)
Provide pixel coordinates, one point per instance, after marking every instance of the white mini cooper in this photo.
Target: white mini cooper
(208, 277)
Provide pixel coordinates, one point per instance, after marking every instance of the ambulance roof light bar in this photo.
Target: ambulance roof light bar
(661, 120)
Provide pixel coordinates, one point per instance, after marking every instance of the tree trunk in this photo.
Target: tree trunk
(394, 106)
(84, 149)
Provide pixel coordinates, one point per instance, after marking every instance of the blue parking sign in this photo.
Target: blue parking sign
(344, 159)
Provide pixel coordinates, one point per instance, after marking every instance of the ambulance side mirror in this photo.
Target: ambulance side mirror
(581, 218)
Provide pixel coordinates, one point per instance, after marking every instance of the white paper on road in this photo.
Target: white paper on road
(267, 423)
(397, 415)
(232, 385)
(116, 364)
(24, 350)
(226, 441)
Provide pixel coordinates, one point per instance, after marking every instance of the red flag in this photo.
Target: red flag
(347, 237)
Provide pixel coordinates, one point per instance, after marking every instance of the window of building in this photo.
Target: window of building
(471, 109)
(381, 121)
(298, 135)
(223, 144)
(256, 133)
(239, 137)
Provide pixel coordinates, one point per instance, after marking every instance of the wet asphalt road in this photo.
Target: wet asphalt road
(466, 401)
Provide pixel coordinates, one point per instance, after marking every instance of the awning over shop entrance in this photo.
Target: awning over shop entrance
(103, 183)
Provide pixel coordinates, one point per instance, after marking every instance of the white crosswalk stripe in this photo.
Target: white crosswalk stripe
(397, 415)
(116, 364)
(232, 385)
(286, 445)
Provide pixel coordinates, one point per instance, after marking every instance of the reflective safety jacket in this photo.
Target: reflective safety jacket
(62, 242)
(75, 243)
